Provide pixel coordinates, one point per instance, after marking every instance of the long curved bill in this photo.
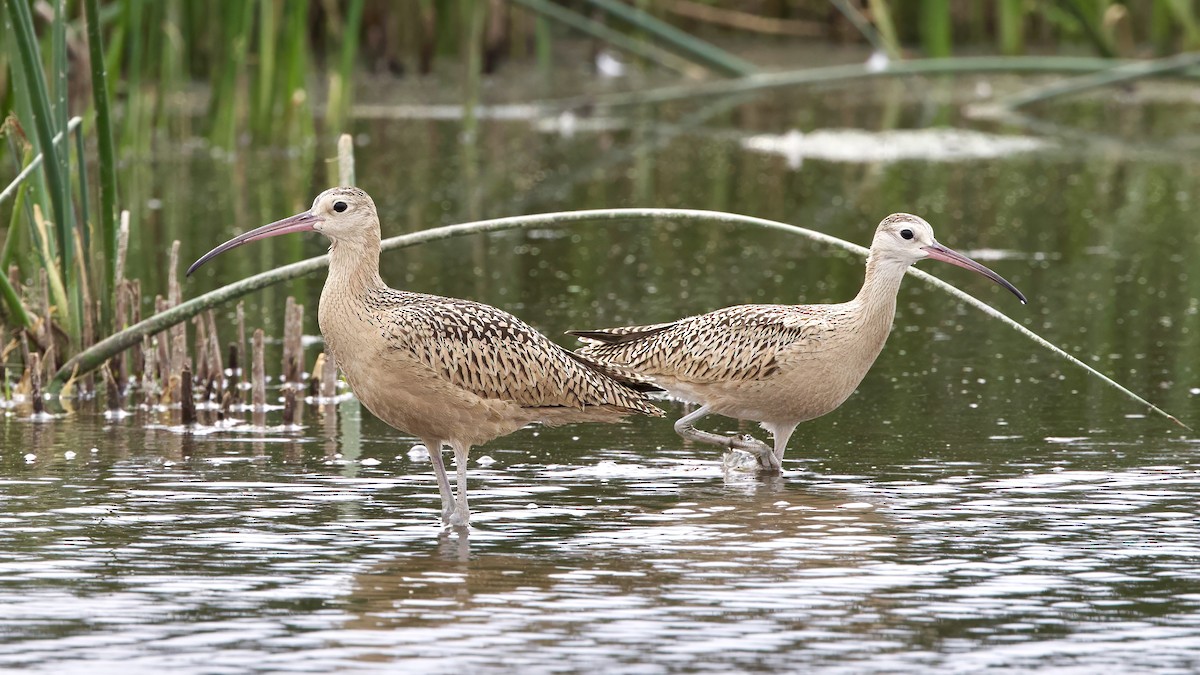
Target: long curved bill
(301, 222)
(938, 252)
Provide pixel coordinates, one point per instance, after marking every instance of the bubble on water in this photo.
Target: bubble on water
(95, 450)
(70, 454)
(1194, 391)
(370, 461)
(486, 460)
(30, 458)
(418, 452)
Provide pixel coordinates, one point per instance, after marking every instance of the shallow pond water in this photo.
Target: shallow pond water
(978, 504)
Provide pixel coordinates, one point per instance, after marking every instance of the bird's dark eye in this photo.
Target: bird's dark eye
(342, 206)
(907, 234)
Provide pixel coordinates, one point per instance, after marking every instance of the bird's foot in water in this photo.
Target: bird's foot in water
(738, 461)
(459, 520)
(762, 454)
(748, 454)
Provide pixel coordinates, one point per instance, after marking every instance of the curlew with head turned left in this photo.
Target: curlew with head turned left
(778, 365)
(450, 372)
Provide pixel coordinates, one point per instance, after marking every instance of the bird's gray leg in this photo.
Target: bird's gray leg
(439, 470)
(686, 427)
(773, 461)
(462, 515)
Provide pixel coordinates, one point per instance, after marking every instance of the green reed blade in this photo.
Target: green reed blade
(268, 37)
(936, 32)
(692, 47)
(42, 115)
(341, 82)
(1010, 26)
(104, 132)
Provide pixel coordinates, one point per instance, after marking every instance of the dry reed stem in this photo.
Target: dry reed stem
(187, 404)
(115, 402)
(178, 333)
(234, 389)
(241, 326)
(216, 367)
(289, 406)
(135, 316)
(35, 383)
(286, 364)
(200, 349)
(258, 396)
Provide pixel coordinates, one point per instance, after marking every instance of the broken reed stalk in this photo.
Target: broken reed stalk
(241, 341)
(178, 343)
(234, 390)
(289, 407)
(258, 394)
(120, 321)
(200, 348)
(216, 368)
(187, 403)
(138, 349)
(116, 402)
(150, 368)
(296, 348)
(179, 360)
(293, 316)
(34, 367)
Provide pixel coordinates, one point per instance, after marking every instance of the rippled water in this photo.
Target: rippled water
(618, 551)
(977, 505)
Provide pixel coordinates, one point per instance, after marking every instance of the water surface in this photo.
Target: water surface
(977, 504)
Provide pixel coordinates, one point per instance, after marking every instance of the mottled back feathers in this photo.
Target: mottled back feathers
(495, 355)
(738, 343)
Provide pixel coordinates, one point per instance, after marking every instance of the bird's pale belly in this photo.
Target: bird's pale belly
(411, 398)
(800, 392)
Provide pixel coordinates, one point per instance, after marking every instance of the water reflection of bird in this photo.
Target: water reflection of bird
(778, 364)
(449, 371)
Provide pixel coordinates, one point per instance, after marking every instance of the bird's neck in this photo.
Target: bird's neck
(877, 297)
(353, 267)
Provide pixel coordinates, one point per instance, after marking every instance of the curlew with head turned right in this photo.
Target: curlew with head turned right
(451, 372)
(778, 365)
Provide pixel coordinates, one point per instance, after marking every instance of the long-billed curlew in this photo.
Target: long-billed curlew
(778, 365)
(448, 371)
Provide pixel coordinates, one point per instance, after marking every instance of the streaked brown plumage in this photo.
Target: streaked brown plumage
(448, 371)
(779, 365)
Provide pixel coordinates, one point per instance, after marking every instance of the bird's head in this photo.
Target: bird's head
(344, 214)
(905, 239)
